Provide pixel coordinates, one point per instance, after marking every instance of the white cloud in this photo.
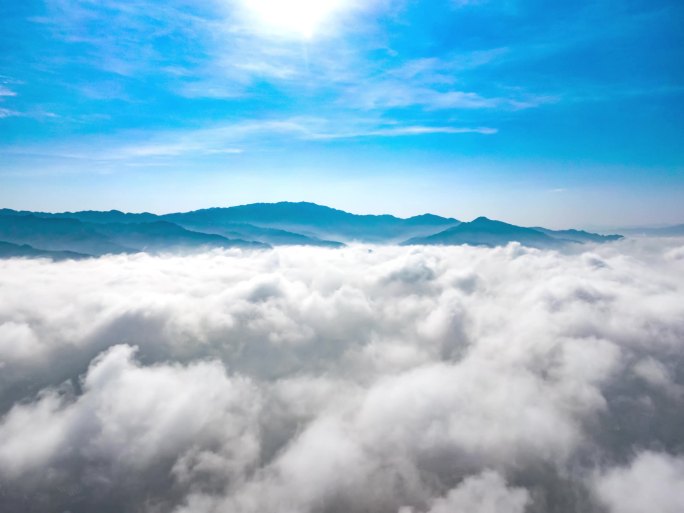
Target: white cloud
(391, 94)
(130, 417)
(377, 379)
(399, 131)
(485, 493)
(652, 482)
(6, 91)
(8, 113)
(236, 138)
(18, 342)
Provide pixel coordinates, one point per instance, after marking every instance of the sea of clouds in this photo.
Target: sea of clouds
(367, 379)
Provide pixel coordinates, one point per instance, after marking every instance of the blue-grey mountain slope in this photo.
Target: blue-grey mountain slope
(272, 236)
(282, 223)
(487, 232)
(159, 236)
(239, 231)
(261, 225)
(54, 233)
(58, 235)
(316, 221)
(110, 216)
(578, 235)
(9, 250)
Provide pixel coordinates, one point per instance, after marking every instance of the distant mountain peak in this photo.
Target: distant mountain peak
(483, 231)
(314, 221)
(484, 220)
(260, 225)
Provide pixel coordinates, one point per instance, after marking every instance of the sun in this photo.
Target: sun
(299, 18)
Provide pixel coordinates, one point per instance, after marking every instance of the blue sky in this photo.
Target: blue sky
(536, 112)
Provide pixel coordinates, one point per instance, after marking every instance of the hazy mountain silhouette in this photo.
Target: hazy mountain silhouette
(315, 221)
(110, 216)
(282, 223)
(487, 232)
(54, 233)
(9, 250)
(272, 236)
(239, 230)
(165, 236)
(257, 226)
(57, 234)
(89, 216)
(578, 235)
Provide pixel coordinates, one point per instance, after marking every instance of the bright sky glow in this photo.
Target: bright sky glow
(292, 17)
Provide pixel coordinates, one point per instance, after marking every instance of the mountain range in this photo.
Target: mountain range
(487, 232)
(257, 226)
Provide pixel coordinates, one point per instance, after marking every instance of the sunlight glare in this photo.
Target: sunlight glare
(300, 18)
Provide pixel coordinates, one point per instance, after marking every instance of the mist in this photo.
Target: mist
(384, 379)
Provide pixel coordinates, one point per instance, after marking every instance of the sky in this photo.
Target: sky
(556, 113)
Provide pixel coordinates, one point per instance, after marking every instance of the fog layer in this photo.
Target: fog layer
(366, 379)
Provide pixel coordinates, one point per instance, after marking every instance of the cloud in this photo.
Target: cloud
(385, 379)
(438, 84)
(36, 114)
(390, 95)
(234, 52)
(486, 493)
(651, 482)
(239, 137)
(398, 131)
(6, 91)
(230, 50)
(8, 113)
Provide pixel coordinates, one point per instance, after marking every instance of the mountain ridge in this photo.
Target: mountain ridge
(317, 221)
(10, 250)
(483, 231)
(261, 226)
(96, 239)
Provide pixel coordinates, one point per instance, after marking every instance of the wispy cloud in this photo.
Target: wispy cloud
(35, 114)
(6, 91)
(237, 138)
(8, 113)
(400, 131)
(233, 57)
(438, 84)
(388, 94)
(169, 150)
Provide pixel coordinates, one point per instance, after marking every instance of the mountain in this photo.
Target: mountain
(319, 222)
(486, 232)
(9, 250)
(160, 236)
(55, 233)
(260, 225)
(272, 236)
(282, 223)
(241, 231)
(89, 216)
(578, 235)
(110, 216)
